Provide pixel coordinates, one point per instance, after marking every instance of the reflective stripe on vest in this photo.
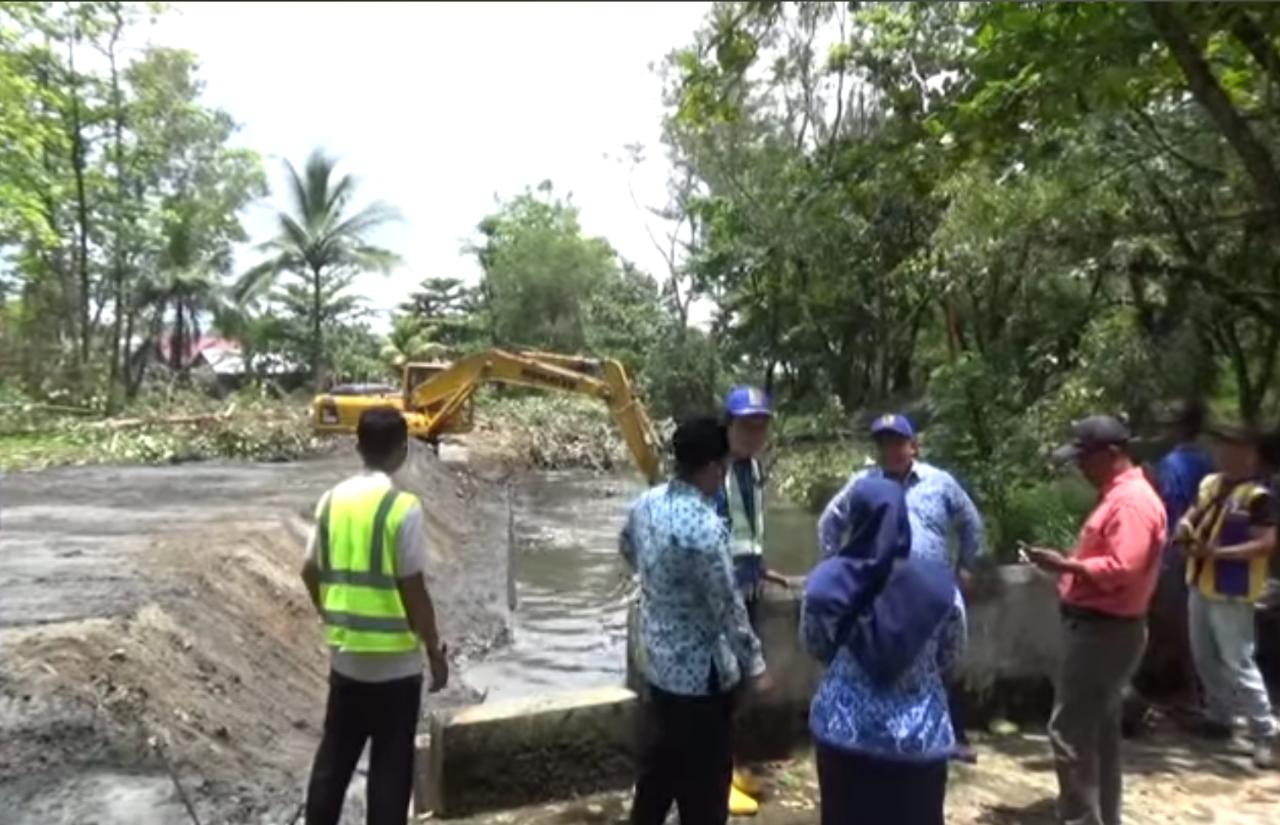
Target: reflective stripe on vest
(1224, 521)
(747, 535)
(357, 531)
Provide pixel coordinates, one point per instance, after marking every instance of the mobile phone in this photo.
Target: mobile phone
(1022, 552)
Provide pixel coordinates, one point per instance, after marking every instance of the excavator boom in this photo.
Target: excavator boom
(433, 406)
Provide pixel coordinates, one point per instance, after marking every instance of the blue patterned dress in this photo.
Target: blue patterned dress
(905, 722)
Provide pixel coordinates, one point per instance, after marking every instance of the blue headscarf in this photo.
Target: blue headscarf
(873, 596)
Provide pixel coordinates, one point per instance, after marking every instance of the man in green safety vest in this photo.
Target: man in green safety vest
(748, 415)
(364, 573)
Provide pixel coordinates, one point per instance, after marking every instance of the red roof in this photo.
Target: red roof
(194, 348)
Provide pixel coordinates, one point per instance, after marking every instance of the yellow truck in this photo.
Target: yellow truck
(436, 398)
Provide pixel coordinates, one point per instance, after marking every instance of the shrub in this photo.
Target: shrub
(1048, 514)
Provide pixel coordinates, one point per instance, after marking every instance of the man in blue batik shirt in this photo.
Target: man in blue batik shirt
(696, 639)
(937, 506)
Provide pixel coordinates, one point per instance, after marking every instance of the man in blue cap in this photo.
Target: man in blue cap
(937, 506)
(748, 415)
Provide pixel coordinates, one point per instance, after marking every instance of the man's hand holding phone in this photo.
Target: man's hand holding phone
(1041, 557)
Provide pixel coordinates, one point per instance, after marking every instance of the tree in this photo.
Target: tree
(187, 284)
(444, 313)
(541, 271)
(923, 204)
(627, 320)
(321, 243)
(409, 340)
(112, 152)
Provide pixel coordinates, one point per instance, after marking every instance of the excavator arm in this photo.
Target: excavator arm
(441, 396)
(432, 406)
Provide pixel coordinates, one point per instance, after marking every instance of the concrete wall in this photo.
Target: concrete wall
(507, 754)
(503, 755)
(1008, 667)
(1014, 643)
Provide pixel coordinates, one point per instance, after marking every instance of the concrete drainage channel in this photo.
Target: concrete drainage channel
(525, 751)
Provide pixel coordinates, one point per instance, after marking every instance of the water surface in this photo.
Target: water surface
(569, 627)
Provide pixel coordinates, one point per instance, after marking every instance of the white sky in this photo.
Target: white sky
(438, 107)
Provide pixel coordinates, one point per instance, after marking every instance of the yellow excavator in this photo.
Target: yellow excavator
(437, 398)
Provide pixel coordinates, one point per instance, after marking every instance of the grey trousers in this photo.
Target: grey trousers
(1223, 639)
(1099, 657)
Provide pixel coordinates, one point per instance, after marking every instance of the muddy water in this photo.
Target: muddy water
(569, 625)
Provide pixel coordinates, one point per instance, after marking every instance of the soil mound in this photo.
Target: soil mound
(210, 674)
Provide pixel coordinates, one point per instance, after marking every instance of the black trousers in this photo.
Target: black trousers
(685, 756)
(860, 790)
(958, 709)
(385, 713)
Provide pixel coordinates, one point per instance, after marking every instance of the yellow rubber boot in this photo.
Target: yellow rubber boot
(747, 783)
(740, 804)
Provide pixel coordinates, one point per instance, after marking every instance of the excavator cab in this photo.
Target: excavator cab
(339, 409)
(417, 374)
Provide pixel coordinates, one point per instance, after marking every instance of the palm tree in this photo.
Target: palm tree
(187, 281)
(319, 240)
(411, 340)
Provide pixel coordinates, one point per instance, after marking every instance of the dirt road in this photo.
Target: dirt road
(152, 625)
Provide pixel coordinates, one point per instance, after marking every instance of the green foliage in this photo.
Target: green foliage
(810, 475)
(324, 245)
(1047, 514)
(681, 374)
(444, 318)
(541, 273)
(119, 195)
(550, 432)
(1017, 213)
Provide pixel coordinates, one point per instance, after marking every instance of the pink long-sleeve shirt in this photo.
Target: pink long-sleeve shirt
(1120, 548)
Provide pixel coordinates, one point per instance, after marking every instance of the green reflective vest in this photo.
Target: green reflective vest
(747, 534)
(357, 527)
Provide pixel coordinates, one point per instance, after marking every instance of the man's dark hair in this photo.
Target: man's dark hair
(1269, 450)
(1189, 417)
(382, 432)
(698, 442)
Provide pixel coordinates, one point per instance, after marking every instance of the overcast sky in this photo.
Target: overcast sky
(438, 107)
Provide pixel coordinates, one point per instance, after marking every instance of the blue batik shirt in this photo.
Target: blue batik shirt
(693, 622)
(907, 720)
(935, 504)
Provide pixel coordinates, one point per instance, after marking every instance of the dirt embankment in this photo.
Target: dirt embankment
(152, 625)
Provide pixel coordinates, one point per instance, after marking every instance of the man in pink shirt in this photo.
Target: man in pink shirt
(1105, 587)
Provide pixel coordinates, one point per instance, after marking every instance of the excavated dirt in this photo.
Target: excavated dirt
(155, 640)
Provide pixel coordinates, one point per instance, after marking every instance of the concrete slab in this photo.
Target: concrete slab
(506, 754)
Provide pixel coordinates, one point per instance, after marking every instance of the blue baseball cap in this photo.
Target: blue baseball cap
(743, 401)
(892, 424)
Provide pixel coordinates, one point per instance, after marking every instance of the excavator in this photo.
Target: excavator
(437, 397)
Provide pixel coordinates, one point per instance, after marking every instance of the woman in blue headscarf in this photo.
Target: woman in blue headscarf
(887, 626)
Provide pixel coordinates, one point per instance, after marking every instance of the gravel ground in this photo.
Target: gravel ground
(1169, 780)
